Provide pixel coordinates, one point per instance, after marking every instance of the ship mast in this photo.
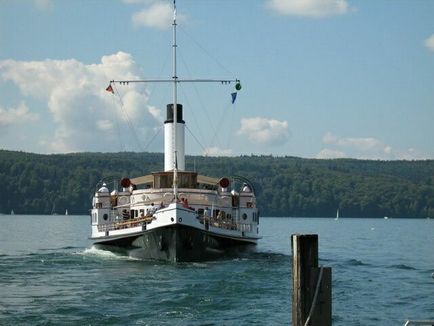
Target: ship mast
(175, 146)
(175, 106)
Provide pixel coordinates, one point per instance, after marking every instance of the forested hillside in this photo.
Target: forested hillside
(285, 186)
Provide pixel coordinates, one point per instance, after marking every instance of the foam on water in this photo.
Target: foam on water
(105, 254)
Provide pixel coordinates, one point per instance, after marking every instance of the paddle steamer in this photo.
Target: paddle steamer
(175, 215)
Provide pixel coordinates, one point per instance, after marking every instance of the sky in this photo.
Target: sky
(320, 78)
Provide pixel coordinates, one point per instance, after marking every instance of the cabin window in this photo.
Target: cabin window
(244, 216)
(105, 217)
(98, 205)
(185, 180)
(163, 180)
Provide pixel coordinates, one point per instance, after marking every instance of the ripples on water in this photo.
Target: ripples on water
(378, 278)
(101, 288)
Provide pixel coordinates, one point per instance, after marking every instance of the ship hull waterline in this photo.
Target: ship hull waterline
(177, 243)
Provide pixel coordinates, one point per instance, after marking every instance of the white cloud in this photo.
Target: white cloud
(104, 125)
(84, 114)
(216, 151)
(264, 131)
(364, 148)
(156, 113)
(16, 115)
(158, 15)
(329, 153)
(429, 43)
(155, 14)
(309, 8)
(361, 144)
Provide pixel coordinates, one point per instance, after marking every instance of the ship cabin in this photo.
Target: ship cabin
(228, 204)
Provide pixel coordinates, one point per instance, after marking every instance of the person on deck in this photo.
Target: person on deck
(153, 209)
(184, 202)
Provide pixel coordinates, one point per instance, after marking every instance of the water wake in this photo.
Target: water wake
(105, 254)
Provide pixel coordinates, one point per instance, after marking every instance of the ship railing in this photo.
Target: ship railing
(125, 224)
(217, 222)
(245, 227)
(225, 223)
(419, 322)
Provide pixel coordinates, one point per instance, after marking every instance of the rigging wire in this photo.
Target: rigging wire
(213, 126)
(160, 100)
(219, 126)
(131, 126)
(191, 133)
(153, 137)
(163, 67)
(205, 51)
(118, 129)
(189, 105)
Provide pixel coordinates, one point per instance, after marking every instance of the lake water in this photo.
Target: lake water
(51, 275)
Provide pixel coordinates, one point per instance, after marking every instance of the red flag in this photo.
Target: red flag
(110, 89)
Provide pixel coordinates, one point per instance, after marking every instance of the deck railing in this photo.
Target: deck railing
(124, 224)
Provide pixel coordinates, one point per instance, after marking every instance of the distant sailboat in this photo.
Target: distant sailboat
(66, 212)
(12, 212)
(337, 214)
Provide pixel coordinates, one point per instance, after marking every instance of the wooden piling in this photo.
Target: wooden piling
(311, 285)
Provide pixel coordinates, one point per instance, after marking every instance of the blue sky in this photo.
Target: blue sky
(321, 79)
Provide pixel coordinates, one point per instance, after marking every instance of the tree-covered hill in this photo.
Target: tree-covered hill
(285, 186)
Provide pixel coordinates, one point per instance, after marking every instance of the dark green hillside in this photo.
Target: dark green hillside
(286, 186)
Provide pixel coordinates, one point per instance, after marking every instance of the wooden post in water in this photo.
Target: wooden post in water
(311, 286)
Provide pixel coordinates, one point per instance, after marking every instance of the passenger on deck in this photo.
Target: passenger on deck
(153, 209)
(184, 202)
(103, 188)
(246, 188)
(220, 216)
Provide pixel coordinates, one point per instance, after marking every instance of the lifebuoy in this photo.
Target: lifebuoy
(123, 200)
